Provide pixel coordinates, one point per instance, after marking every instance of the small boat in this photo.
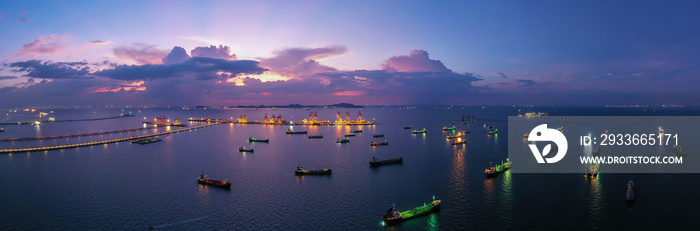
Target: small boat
(561, 129)
(407, 127)
(378, 143)
(252, 139)
(418, 131)
(448, 128)
(243, 149)
(290, 132)
(378, 135)
(493, 132)
(393, 216)
(459, 142)
(2, 129)
(202, 179)
(316, 137)
(342, 141)
(301, 171)
(349, 135)
(592, 171)
(526, 135)
(356, 131)
(376, 162)
(630, 191)
(498, 169)
(146, 140)
(459, 135)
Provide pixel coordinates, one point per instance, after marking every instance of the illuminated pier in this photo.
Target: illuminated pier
(47, 148)
(75, 120)
(162, 121)
(72, 135)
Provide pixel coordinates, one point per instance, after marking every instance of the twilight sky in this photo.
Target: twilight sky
(362, 52)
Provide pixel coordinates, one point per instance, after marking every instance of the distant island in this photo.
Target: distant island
(338, 105)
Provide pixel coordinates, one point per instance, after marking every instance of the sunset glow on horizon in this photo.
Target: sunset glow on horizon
(542, 53)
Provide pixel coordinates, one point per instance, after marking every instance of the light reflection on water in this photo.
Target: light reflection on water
(160, 179)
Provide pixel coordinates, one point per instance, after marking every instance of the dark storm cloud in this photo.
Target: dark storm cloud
(50, 70)
(200, 68)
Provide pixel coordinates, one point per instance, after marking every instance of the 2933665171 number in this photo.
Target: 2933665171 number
(639, 139)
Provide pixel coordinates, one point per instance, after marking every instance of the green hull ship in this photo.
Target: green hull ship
(393, 216)
(498, 169)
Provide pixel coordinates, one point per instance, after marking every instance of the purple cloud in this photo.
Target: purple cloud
(221, 52)
(293, 56)
(51, 44)
(7, 77)
(526, 82)
(50, 70)
(177, 55)
(140, 53)
(98, 42)
(416, 61)
(23, 19)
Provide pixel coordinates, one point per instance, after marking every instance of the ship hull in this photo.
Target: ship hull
(386, 162)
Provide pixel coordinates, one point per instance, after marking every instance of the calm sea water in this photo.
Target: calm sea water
(124, 186)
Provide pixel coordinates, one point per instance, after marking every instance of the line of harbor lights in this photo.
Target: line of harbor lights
(311, 120)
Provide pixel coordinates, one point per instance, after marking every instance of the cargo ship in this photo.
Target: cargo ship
(459, 135)
(592, 171)
(290, 132)
(448, 128)
(203, 179)
(146, 140)
(407, 127)
(243, 149)
(252, 139)
(378, 143)
(377, 135)
(630, 191)
(375, 162)
(342, 141)
(350, 135)
(316, 137)
(301, 171)
(393, 216)
(460, 141)
(356, 131)
(498, 169)
(418, 131)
